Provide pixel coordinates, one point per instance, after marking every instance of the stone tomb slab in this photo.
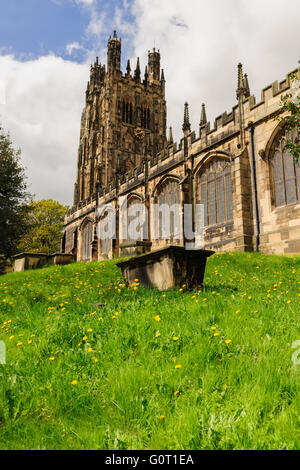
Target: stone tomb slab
(167, 268)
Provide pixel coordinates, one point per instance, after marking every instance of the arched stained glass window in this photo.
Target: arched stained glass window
(87, 235)
(214, 191)
(168, 194)
(285, 172)
(134, 211)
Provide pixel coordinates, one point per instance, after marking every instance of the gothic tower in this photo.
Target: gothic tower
(119, 109)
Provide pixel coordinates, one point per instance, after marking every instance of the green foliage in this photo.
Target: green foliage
(60, 325)
(44, 227)
(13, 194)
(290, 103)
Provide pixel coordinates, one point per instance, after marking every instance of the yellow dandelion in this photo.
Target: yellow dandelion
(74, 382)
(95, 360)
(19, 343)
(51, 358)
(90, 349)
(84, 338)
(29, 341)
(176, 392)
(162, 417)
(157, 335)
(157, 318)
(216, 334)
(228, 341)
(89, 330)
(213, 328)
(178, 366)
(11, 337)
(175, 338)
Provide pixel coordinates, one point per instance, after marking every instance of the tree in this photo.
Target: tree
(44, 227)
(291, 103)
(13, 195)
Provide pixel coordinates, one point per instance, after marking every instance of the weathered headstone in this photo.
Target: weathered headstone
(167, 268)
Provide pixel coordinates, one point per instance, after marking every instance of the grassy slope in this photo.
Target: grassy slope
(242, 395)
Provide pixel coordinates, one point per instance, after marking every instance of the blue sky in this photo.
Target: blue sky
(32, 28)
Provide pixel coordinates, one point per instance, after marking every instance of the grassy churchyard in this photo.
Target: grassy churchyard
(94, 364)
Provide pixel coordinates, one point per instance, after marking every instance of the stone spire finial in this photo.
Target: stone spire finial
(240, 91)
(162, 78)
(203, 119)
(186, 127)
(128, 68)
(246, 85)
(146, 76)
(240, 75)
(137, 72)
(170, 139)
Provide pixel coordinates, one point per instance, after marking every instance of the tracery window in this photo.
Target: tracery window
(285, 172)
(134, 211)
(87, 235)
(126, 112)
(145, 118)
(168, 194)
(214, 190)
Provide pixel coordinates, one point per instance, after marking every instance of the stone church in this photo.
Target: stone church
(239, 168)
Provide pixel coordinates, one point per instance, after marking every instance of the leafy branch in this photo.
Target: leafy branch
(291, 103)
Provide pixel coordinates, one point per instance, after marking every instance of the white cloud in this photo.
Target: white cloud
(74, 46)
(85, 2)
(202, 42)
(44, 99)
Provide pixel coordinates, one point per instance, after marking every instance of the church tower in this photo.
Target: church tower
(119, 110)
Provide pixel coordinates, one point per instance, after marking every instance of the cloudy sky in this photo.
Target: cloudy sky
(46, 47)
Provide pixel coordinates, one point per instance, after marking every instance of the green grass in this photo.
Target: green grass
(241, 395)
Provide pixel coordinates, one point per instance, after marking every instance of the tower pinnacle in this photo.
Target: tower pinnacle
(203, 119)
(137, 72)
(186, 127)
(114, 53)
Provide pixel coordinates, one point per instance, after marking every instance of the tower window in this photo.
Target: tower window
(126, 112)
(145, 118)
